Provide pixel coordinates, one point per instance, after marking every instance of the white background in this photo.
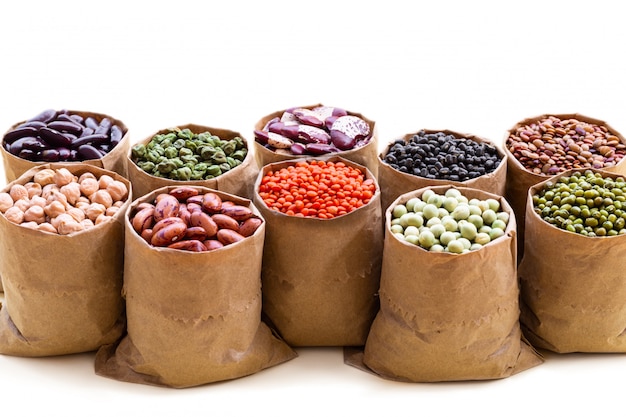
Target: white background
(475, 67)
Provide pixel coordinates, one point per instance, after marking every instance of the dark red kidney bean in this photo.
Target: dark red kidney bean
(16, 146)
(20, 132)
(50, 155)
(104, 126)
(94, 139)
(87, 131)
(116, 134)
(54, 137)
(91, 123)
(77, 118)
(65, 126)
(35, 144)
(27, 154)
(45, 116)
(89, 152)
(36, 124)
(64, 154)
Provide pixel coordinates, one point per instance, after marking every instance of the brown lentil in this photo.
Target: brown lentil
(552, 145)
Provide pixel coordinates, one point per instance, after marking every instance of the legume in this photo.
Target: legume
(552, 145)
(185, 219)
(181, 154)
(316, 131)
(442, 156)
(449, 222)
(585, 203)
(54, 136)
(322, 189)
(55, 201)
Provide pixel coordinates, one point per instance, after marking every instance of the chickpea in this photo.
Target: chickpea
(34, 189)
(111, 211)
(118, 190)
(72, 192)
(54, 208)
(87, 223)
(88, 186)
(104, 181)
(85, 176)
(101, 219)
(65, 228)
(30, 225)
(38, 201)
(14, 215)
(47, 227)
(23, 205)
(6, 202)
(76, 213)
(44, 177)
(61, 218)
(57, 195)
(18, 192)
(47, 190)
(35, 214)
(63, 176)
(103, 197)
(94, 210)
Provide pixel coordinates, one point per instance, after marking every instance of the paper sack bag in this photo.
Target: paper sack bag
(193, 317)
(321, 276)
(62, 292)
(573, 287)
(447, 317)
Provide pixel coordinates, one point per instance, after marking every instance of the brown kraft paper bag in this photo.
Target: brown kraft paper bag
(193, 317)
(365, 155)
(115, 160)
(519, 179)
(238, 180)
(62, 292)
(394, 183)
(447, 317)
(573, 288)
(320, 276)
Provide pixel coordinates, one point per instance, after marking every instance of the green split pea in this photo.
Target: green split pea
(183, 155)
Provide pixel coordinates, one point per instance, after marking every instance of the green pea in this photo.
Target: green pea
(138, 151)
(456, 246)
(426, 239)
(213, 171)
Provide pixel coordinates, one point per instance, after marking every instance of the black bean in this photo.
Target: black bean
(442, 156)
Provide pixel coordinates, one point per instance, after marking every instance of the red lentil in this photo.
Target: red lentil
(315, 188)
